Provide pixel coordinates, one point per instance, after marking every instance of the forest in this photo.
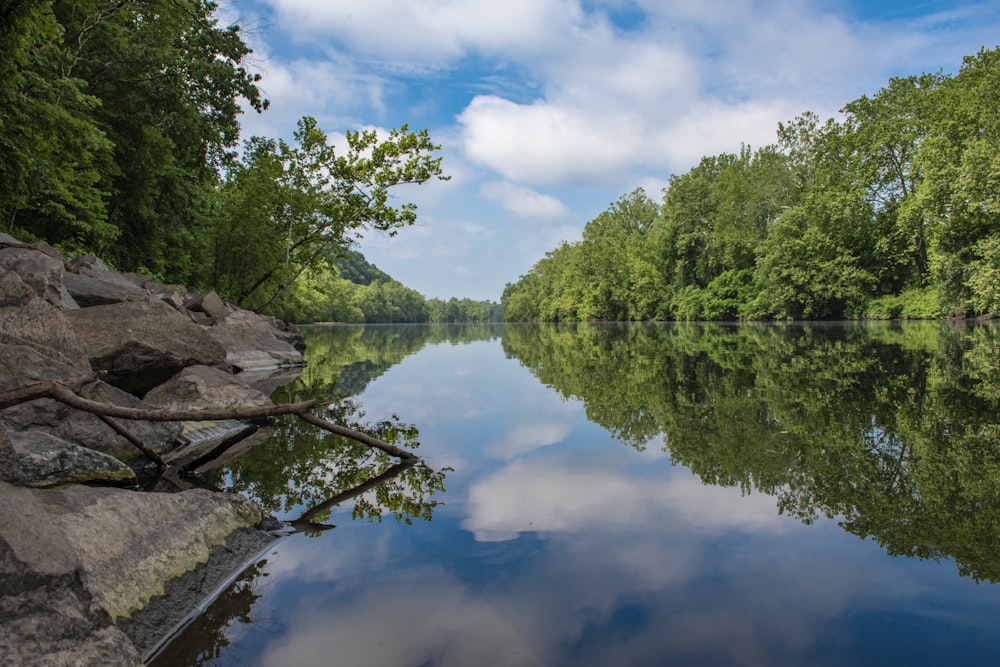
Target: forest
(890, 211)
(119, 128)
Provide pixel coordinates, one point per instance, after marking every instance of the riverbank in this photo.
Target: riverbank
(85, 559)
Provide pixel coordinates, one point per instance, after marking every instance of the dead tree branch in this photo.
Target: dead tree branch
(65, 391)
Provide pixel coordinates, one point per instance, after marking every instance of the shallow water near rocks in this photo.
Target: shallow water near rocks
(628, 495)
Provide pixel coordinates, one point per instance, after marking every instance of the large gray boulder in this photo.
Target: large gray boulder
(254, 342)
(47, 461)
(40, 271)
(202, 387)
(10, 471)
(268, 380)
(29, 320)
(210, 304)
(74, 560)
(141, 345)
(21, 365)
(125, 544)
(92, 283)
(49, 619)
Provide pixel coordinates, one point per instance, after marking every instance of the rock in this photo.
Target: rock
(252, 342)
(74, 560)
(45, 460)
(141, 345)
(39, 271)
(185, 596)
(48, 619)
(126, 544)
(205, 387)
(172, 296)
(21, 365)
(172, 299)
(291, 334)
(10, 471)
(67, 302)
(210, 304)
(27, 319)
(222, 455)
(267, 380)
(92, 283)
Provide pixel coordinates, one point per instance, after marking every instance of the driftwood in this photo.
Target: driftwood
(65, 391)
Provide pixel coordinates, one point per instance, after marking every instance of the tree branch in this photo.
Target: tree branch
(65, 392)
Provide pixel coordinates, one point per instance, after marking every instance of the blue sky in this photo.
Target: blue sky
(549, 110)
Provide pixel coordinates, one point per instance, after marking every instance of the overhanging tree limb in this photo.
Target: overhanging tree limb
(65, 392)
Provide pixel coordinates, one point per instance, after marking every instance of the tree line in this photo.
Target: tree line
(891, 211)
(352, 291)
(119, 129)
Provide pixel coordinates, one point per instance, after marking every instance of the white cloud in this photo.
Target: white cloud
(331, 90)
(559, 499)
(526, 438)
(540, 93)
(543, 142)
(522, 201)
(444, 625)
(432, 31)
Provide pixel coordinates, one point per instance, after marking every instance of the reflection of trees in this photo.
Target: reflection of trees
(202, 642)
(302, 466)
(893, 429)
(344, 359)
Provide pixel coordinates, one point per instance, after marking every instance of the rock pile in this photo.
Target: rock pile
(74, 558)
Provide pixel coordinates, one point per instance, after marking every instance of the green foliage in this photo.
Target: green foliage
(722, 299)
(802, 273)
(609, 275)
(54, 151)
(319, 295)
(353, 291)
(114, 117)
(984, 279)
(286, 208)
(912, 304)
(890, 428)
(890, 212)
(454, 311)
(352, 265)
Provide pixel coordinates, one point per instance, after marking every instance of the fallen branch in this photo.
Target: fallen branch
(36, 390)
(139, 444)
(65, 392)
(391, 450)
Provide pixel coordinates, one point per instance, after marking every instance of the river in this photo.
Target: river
(611, 494)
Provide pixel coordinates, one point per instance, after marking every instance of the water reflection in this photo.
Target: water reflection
(207, 638)
(724, 532)
(894, 429)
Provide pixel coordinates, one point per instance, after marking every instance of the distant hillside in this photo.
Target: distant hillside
(354, 290)
(355, 268)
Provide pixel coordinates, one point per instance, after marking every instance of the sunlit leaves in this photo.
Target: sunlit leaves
(288, 208)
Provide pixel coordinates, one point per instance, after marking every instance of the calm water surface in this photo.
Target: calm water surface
(628, 495)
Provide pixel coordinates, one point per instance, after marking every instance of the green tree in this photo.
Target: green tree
(960, 163)
(54, 151)
(119, 115)
(805, 273)
(284, 208)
